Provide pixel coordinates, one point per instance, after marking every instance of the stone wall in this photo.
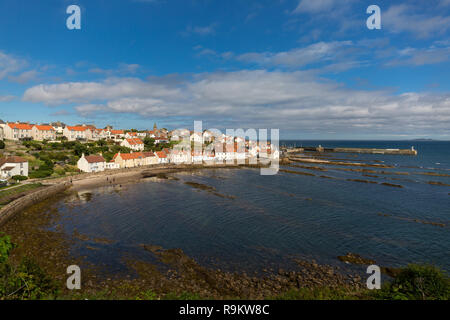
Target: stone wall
(22, 203)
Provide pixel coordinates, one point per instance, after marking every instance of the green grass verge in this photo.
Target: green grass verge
(16, 190)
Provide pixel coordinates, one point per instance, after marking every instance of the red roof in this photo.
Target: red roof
(134, 155)
(44, 128)
(21, 126)
(134, 141)
(94, 159)
(77, 128)
(161, 154)
(148, 154)
(14, 159)
(117, 131)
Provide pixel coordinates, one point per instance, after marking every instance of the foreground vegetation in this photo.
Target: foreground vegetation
(27, 280)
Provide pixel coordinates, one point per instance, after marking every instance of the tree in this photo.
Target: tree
(79, 149)
(149, 143)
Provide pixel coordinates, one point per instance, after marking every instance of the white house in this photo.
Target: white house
(135, 144)
(162, 157)
(224, 151)
(58, 126)
(208, 156)
(92, 163)
(13, 166)
(112, 165)
(117, 134)
(2, 129)
(240, 150)
(97, 134)
(131, 135)
(180, 156)
(208, 136)
(196, 137)
(161, 139)
(197, 156)
(180, 134)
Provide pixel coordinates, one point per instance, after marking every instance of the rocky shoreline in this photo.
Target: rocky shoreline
(38, 233)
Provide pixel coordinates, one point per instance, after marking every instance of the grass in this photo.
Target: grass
(19, 189)
(323, 293)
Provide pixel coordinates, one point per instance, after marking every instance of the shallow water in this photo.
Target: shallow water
(251, 221)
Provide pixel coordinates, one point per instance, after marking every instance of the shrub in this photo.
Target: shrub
(19, 177)
(5, 248)
(34, 145)
(73, 160)
(25, 280)
(2, 144)
(417, 282)
(60, 171)
(39, 174)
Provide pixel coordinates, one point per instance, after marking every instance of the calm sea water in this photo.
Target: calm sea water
(271, 219)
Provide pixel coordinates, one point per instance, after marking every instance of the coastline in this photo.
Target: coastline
(123, 176)
(180, 274)
(29, 229)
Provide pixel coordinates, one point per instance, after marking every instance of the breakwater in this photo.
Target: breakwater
(411, 151)
(22, 203)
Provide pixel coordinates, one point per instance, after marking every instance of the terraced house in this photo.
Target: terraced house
(18, 131)
(135, 159)
(77, 133)
(43, 132)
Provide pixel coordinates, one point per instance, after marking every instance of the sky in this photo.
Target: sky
(312, 69)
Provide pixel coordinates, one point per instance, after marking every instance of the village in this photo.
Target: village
(56, 149)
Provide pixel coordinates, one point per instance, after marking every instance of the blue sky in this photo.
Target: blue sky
(310, 68)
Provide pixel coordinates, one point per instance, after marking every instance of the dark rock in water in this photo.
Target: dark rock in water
(363, 181)
(355, 259)
(392, 185)
(392, 272)
(200, 186)
(438, 183)
(383, 214)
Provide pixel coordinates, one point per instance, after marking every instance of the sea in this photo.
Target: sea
(240, 220)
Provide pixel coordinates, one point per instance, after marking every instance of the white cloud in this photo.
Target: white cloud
(404, 18)
(200, 30)
(9, 64)
(24, 77)
(122, 69)
(7, 98)
(320, 52)
(420, 57)
(258, 98)
(320, 6)
(85, 91)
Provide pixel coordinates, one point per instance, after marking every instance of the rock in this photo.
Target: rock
(355, 259)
